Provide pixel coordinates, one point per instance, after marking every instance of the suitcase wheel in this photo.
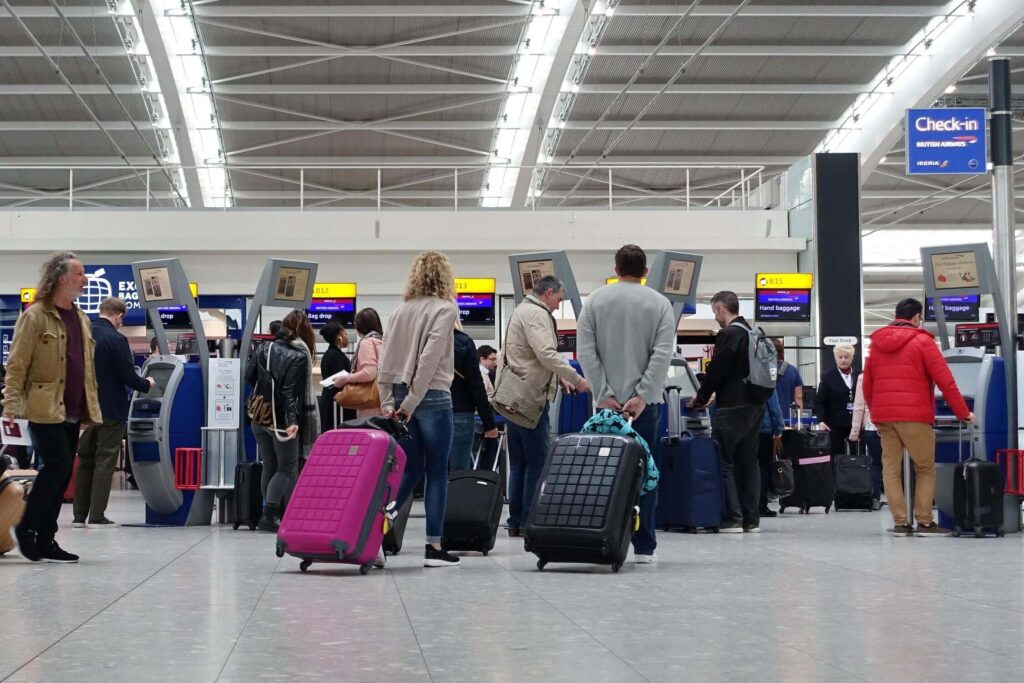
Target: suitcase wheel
(541, 564)
(826, 508)
(956, 532)
(364, 569)
(485, 552)
(979, 532)
(999, 534)
(279, 552)
(252, 527)
(304, 565)
(237, 524)
(616, 567)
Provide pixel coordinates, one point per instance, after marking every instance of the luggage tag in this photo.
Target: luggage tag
(390, 512)
(636, 518)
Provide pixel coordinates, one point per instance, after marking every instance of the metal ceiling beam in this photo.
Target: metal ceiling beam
(38, 90)
(328, 89)
(510, 10)
(100, 11)
(677, 160)
(293, 51)
(729, 88)
(306, 51)
(173, 94)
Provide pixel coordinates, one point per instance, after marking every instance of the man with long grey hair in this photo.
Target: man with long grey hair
(51, 382)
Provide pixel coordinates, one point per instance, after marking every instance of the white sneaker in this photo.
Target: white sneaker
(730, 529)
(752, 530)
(645, 559)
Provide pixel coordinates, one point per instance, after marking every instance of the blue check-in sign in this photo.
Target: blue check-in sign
(950, 140)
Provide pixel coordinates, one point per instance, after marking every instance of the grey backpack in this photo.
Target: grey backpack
(763, 371)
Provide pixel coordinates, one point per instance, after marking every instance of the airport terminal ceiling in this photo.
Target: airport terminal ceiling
(252, 105)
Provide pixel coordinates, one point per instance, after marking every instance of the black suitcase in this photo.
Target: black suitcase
(396, 533)
(248, 494)
(585, 507)
(814, 485)
(473, 512)
(853, 481)
(977, 498)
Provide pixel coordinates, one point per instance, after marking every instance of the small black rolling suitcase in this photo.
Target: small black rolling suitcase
(473, 512)
(977, 496)
(853, 480)
(248, 494)
(585, 508)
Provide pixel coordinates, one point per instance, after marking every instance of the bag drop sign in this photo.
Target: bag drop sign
(946, 140)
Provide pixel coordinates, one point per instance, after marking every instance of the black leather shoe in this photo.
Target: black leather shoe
(54, 553)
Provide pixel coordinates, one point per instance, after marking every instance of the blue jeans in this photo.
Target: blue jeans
(527, 451)
(463, 430)
(427, 455)
(648, 425)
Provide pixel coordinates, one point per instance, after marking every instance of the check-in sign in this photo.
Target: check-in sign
(949, 140)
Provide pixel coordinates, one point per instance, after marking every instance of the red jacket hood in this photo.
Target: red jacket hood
(892, 337)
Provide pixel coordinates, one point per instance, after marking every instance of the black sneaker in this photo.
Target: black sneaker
(731, 528)
(27, 544)
(54, 553)
(768, 513)
(439, 558)
(78, 523)
(102, 523)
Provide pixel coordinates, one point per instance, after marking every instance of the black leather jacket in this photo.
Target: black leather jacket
(290, 370)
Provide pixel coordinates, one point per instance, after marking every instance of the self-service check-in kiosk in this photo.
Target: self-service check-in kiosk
(964, 270)
(675, 275)
(285, 284)
(171, 415)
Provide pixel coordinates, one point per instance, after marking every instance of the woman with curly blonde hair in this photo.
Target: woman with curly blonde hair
(415, 379)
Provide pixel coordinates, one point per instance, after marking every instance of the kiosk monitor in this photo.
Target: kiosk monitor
(532, 271)
(955, 270)
(476, 309)
(680, 277)
(322, 311)
(292, 284)
(156, 284)
(960, 309)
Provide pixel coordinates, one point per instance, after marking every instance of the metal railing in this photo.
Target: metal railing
(387, 187)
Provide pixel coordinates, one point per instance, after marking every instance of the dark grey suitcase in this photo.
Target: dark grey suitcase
(473, 512)
(853, 480)
(585, 507)
(248, 494)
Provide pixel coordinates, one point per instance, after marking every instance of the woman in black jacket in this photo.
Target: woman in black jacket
(294, 420)
(833, 404)
(469, 397)
(332, 362)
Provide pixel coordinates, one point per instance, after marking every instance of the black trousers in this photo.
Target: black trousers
(55, 446)
(840, 440)
(765, 449)
(736, 429)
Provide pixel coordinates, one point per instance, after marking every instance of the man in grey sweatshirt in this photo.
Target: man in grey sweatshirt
(625, 337)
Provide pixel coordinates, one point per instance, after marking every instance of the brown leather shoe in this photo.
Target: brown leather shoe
(514, 533)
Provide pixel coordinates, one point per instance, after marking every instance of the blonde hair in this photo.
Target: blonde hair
(431, 275)
(845, 347)
(56, 267)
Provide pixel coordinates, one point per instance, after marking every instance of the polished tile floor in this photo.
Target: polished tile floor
(812, 598)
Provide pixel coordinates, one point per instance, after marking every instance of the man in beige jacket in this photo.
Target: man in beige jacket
(51, 382)
(531, 353)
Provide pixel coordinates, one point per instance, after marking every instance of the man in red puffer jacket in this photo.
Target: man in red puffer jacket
(899, 385)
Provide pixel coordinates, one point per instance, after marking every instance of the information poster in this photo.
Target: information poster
(958, 270)
(292, 284)
(222, 407)
(156, 284)
(680, 277)
(532, 271)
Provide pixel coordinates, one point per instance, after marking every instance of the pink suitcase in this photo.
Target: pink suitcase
(336, 512)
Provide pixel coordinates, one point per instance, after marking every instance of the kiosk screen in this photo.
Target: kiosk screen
(161, 374)
(156, 284)
(476, 309)
(175, 317)
(292, 284)
(783, 305)
(323, 311)
(532, 271)
(958, 270)
(961, 309)
(680, 277)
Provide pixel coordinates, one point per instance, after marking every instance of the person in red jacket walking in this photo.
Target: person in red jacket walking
(899, 385)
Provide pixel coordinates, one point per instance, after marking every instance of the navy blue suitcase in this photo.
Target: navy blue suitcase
(690, 494)
(572, 410)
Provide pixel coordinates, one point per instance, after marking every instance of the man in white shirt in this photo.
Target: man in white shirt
(488, 364)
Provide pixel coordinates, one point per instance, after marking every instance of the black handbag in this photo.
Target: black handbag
(782, 476)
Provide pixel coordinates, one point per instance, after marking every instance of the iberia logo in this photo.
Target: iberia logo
(944, 164)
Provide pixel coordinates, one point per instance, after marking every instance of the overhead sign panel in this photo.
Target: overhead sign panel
(784, 281)
(334, 290)
(946, 140)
